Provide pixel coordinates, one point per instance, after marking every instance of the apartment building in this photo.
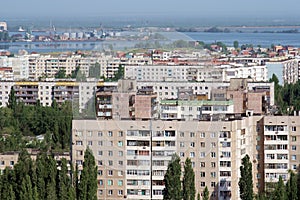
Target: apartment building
(281, 136)
(80, 93)
(202, 72)
(9, 159)
(132, 155)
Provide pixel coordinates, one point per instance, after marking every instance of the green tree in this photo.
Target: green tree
(291, 187)
(26, 192)
(280, 190)
(61, 74)
(205, 193)
(172, 190)
(88, 178)
(188, 183)
(198, 197)
(12, 100)
(236, 44)
(63, 181)
(245, 182)
(6, 185)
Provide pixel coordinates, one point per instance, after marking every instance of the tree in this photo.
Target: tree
(172, 190)
(280, 192)
(61, 74)
(205, 193)
(245, 182)
(12, 100)
(236, 44)
(198, 196)
(88, 179)
(188, 183)
(291, 187)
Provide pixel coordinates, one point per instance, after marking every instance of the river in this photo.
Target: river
(263, 39)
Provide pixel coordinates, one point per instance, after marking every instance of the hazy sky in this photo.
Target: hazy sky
(96, 8)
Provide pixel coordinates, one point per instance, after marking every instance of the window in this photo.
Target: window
(100, 143)
(110, 172)
(213, 164)
(202, 184)
(120, 143)
(110, 153)
(181, 144)
(192, 144)
(120, 134)
(202, 174)
(90, 134)
(213, 174)
(202, 164)
(100, 153)
(100, 172)
(120, 153)
(192, 154)
(181, 154)
(110, 163)
(100, 192)
(192, 134)
(294, 138)
(100, 162)
(202, 154)
(110, 182)
(294, 157)
(294, 147)
(213, 145)
(294, 128)
(120, 192)
(120, 182)
(213, 154)
(202, 135)
(202, 144)
(213, 184)
(120, 162)
(79, 143)
(100, 182)
(110, 192)
(90, 143)
(181, 134)
(110, 133)
(213, 135)
(100, 134)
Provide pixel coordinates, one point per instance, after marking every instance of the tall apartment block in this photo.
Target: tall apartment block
(135, 136)
(132, 155)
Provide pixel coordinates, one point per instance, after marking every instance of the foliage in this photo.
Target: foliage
(118, 74)
(245, 182)
(20, 123)
(287, 97)
(236, 44)
(61, 74)
(88, 179)
(172, 190)
(280, 192)
(188, 183)
(205, 193)
(291, 187)
(45, 178)
(95, 70)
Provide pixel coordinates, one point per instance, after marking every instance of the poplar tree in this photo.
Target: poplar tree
(88, 179)
(205, 193)
(280, 192)
(26, 192)
(245, 182)
(188, 183)
(291, 187)
(172, 190)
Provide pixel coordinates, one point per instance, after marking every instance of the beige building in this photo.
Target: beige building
(132, 155)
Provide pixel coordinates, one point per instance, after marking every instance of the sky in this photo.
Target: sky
(275, 9)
